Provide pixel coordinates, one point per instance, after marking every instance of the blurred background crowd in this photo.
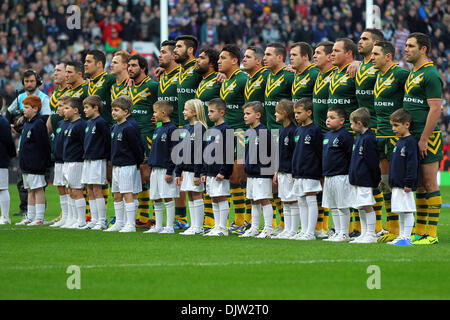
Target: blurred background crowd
(35, 33)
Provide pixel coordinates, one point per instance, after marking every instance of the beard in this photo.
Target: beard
(135, 76)
(182, 58)
(202, 70)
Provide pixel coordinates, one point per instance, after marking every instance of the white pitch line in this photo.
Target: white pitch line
(215, 264)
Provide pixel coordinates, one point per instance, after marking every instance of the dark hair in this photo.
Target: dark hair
(279, 49)
(143, 64)
(76, 103)
(164, 105)
(213, 56)
(169, 43)
(305, 49)
(304, 103)
(123, 102)
(386, 47)
(98, 56)
(423, 40)
(93, 101)
(257, 106)
(78, 66)
(327, 46)
(189, 41)
(234, 50)
(288, 107)
(377, 35)
(401, 116)
(349, 45)
(258, 51)
(340, 111)
(218, 103)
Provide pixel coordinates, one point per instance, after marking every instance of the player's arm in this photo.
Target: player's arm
(432, 119)
(49, 126)
(353, 68)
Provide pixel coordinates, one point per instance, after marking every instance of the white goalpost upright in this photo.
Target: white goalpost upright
(164, 20)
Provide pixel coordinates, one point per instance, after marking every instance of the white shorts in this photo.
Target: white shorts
(4, 179)
(216, 188)
(123, 179)
(303, 186)
(72, 172)
(336, 192)
(362, 196)
(58, 179)
(259, 188)
(402, 201)
(33, 181)
(94, 172)
(159, 188)
(137, 182)
(285, 187)
(187, 184)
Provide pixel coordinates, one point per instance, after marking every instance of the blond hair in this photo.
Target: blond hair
(197, 106)
(361, 114)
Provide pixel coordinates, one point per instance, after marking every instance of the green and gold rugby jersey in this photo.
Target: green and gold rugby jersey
(232, 92)
(365, 82)
(303, 84)
(320, 98)
(388, 97)
(167, 90)
(255, 88)
(207, 90)
(80, 91)
(119, 89)
(342, 92)
(188, 81)
(423, 84)
(278, 87)
(101, 86)
(144, 95)
(54, 116)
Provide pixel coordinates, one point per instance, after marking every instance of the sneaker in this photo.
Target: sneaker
(387, 237)
(415, 237)
(250, 233)
(243, 228)
(207, 228)
(330, 232)
(99, 226)
(114, 227)
(427, 240)
(212, 232)
(83, 226)
(233, 227)
(277, 230)
(368, 238)
(36, 222)
(74, 225)
(167, 230)
(58, 223)
(308, 237)
(297, 236)
(341, 238)
(356, 240)
(91, 225)
(394, 241)
(188, 232)
(4, 220)
(24, 222)
(320, 234)
(380, 233)
(222, 232)
(154, 229)
(128, 228)
(354, 234)
(199, 231)
(266, 233)
(140, 225)
(67, 224)
(282, 235)
(179, 224)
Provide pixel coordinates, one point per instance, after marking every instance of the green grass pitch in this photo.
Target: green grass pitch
(34, 265)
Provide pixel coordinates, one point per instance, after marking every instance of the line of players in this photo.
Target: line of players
(379, 84)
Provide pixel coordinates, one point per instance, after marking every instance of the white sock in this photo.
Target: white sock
(256, 216)
(64, 203)
(408, 225)
(159, 210)
(199, 209)
(31, 212)
(303, 209)
(224, 210)
(40, 210)
(336, 221)
(80, 205)
(69, 209)
(371, 220)
(5, 202)
(313, 213)
(136, 205)
(363, 221)
(101, 209)
(295, 217)
(170, 213)
(216, 213)
(344, 218)
(287, 216)
(119, 212)
(401, 224)
(192, 213)
(130, 214)
(94, 211)
(268, 216)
